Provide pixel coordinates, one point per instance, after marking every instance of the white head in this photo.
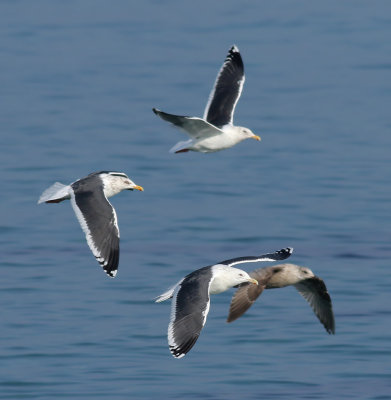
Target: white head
(225, 277)
(115, 182)
(246, 133)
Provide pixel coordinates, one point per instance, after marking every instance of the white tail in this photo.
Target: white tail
(168, 294)
(55, 193)
(180, 146)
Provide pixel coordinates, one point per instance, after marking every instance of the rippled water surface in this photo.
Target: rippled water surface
(78, 81)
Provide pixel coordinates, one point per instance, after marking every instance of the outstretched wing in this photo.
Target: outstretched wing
(189, 310)
(276, 256)
(195, 127)
(315, 292)
(98, 220)
(227, 89)
(246, 294)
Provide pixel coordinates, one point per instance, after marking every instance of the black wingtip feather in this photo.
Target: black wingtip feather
(284, 253)
(183, 349)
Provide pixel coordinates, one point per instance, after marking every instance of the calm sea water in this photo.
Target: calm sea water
(78, 81)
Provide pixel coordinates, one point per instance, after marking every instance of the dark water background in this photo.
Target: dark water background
(78, 81)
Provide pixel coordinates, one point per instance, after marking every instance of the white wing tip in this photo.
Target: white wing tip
(285, 253)
(111, 274)
(234, 49)
(174, 353)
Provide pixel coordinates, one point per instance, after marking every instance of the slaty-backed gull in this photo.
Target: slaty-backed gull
(311, 287)
(96, 215)
(190, 297)
(215, 131)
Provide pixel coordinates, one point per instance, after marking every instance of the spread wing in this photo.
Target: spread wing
(276, 256)
(246, 294)
(315, 292)
(195, 127)
(226, 91)
(189, 310)
(98, 220)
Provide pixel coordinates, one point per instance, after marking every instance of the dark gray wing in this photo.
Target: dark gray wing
(189, 309)
(276, 256)
(98, 220)
(315, 292)
(195, 127)
(226, 91)
(246, 295)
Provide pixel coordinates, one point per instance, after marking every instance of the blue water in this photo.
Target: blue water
(78, 81)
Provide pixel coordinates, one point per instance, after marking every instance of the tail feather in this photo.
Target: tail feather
(55, 193)
(168, 293)
(182, 147)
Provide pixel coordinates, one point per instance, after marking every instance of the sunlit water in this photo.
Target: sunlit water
(78, 81)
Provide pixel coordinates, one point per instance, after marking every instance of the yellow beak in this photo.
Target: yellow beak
(140, 188)
(253, 281)
(256, 137)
